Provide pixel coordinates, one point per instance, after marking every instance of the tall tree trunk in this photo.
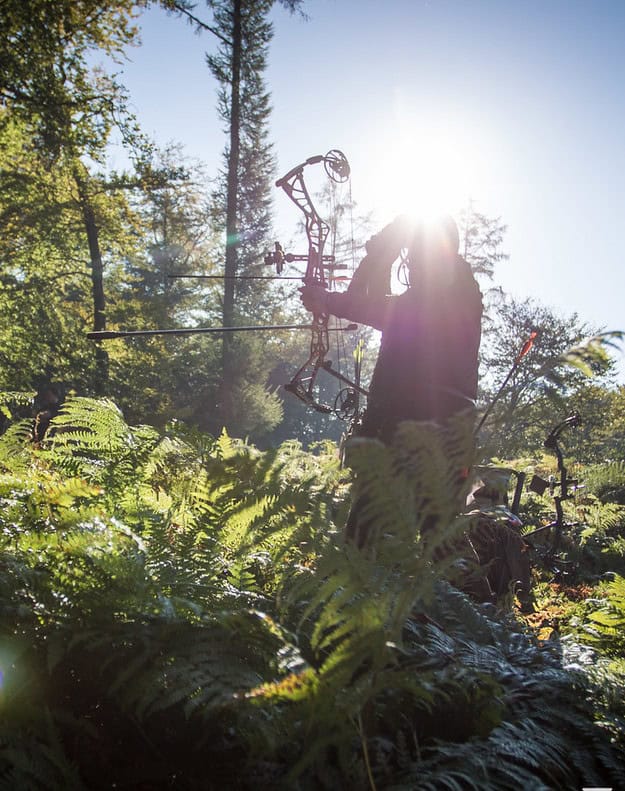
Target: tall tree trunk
(97, 271)
(232, 224)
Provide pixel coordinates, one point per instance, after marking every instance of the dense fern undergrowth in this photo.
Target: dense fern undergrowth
(181, 611)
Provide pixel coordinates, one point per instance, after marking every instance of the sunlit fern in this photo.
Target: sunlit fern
(132, 654)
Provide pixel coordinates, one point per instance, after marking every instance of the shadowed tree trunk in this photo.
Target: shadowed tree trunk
(97, 272)
(232, 223)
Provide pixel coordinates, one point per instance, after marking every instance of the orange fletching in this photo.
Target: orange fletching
(527, 345)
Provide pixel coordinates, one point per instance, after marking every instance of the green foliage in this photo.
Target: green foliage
(607, 481)
(481, 240)
(601, 436)
(604, 627)
(173, 601)
(45, 78)
(593, 354)
(548, 380)
(592, 539)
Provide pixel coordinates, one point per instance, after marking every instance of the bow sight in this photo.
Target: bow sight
(278, 258)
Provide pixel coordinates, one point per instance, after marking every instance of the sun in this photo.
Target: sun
(425, 168)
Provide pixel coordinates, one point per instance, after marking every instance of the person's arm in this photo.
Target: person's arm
(367, 298)
(357, 307)
(373, 276)
(363, 309)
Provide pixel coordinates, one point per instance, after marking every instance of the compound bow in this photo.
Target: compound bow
(304, 381)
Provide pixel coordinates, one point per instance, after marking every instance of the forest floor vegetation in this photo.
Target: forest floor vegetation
(180, 611)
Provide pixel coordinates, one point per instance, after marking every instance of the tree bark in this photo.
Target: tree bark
(232, 241)
(97, 281)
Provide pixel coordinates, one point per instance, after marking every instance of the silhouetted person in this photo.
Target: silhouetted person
(427, 366)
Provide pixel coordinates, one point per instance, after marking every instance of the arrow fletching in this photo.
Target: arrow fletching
(526, 346)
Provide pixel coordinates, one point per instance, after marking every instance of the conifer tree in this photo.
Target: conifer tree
(243, 198)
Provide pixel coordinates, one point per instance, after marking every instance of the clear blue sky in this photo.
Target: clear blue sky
(523, 101)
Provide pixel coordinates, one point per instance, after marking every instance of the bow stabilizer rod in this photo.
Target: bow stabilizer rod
(235, 277)
(107, 335)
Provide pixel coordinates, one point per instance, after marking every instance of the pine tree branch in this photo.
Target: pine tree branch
(181, 9)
